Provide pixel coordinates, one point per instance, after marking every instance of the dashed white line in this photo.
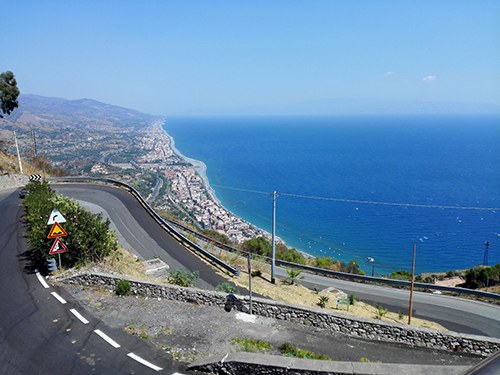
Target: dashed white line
(105, 337)
(58, 297)
(79, 316)
(108, 339)
(144, 362)
(40, 278)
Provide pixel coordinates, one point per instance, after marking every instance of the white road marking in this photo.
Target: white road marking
(58, 297)
(40, 278)
(144, 362)
(108, 339)
(79, 316)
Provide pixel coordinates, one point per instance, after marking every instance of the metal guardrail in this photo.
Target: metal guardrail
(153, 213)
(344, 275)
(392, 282)
(321, 271)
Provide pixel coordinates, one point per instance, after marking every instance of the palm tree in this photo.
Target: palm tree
(293, 275)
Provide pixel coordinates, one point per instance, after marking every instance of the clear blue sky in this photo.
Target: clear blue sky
(164, 57)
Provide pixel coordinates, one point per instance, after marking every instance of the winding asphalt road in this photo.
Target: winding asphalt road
(41, 335)
(137, 230)
(145, 237)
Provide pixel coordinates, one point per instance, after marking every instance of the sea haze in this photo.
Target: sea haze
(416, 160)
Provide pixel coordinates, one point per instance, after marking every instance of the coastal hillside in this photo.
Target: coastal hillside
(73, 135)
(42, 112)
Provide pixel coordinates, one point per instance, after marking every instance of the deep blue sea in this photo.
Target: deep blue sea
(451, 161)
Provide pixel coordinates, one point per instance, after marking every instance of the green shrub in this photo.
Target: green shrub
(226, 288)
(294, 352)
(400, 275)
(323, 300)
(122, 287)
(324, 262)
(291, 255)
(183, 278)
(191, 238)
(352, 299)
(381, 312)
(251, 345)
(256, 273)
(89, 236)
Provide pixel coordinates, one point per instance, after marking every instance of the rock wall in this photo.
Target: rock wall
(351, 325)
(242, 363)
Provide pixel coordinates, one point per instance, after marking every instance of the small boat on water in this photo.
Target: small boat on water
(370, 259)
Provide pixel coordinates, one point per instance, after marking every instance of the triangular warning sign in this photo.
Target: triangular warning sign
(57, 231)
(56, 217)
(58, 247)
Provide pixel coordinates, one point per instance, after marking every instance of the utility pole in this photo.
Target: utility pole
(33, 148)
(18, 156)
(486, 248)
(43, 161)
(412, 280)
(273, 280)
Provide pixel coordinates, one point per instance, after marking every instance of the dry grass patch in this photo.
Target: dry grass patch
(300, 295)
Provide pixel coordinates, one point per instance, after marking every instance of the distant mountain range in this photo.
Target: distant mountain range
(41, 111)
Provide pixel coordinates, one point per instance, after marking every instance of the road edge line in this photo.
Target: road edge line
(106, 338)
(40, 278)
(144, 362)
(58, 297)
(79, 316)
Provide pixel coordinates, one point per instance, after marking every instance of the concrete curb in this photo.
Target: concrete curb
(249, 363)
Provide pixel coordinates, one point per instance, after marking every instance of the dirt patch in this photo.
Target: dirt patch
(189, 331)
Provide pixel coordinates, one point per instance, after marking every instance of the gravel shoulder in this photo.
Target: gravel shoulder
(190, 331)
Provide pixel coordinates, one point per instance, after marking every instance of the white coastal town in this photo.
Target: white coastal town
(187, 186)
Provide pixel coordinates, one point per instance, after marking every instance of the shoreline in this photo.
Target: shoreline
(201, 168)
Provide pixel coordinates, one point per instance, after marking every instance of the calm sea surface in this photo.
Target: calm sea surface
(415, 160)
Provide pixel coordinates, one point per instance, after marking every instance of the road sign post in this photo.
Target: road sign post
(57, 248)
(55, 232)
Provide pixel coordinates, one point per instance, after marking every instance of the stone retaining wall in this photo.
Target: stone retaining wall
(351, 325)
(242, 363)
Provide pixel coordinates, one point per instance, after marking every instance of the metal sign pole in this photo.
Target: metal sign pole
(60, 268)
(273, 240)
(250, 280)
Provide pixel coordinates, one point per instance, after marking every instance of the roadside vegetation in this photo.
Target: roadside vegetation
(290, 350)
(251, 345)
(89, 238)
(287, 349)
(298, 294)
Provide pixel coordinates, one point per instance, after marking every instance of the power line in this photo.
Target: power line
(250, 199)
(249, 191)
(360, 201)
